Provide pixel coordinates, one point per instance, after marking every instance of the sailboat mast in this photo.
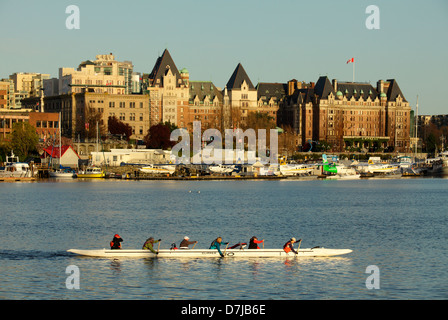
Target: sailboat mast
(60, 140)
(97, 137)
(416, 126)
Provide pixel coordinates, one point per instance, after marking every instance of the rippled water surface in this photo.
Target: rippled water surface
(400, 226)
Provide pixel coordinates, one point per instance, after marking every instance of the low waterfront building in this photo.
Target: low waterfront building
(117, 157)
(65, 156)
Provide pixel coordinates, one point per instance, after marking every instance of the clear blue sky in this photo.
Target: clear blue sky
(275, 40)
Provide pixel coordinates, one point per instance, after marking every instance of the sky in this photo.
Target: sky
(275, 41)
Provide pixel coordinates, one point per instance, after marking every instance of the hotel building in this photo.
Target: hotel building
(349, 115)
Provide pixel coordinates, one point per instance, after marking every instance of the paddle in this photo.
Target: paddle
(194, 245)
(158, 247)
(300, 242)
(224, 254)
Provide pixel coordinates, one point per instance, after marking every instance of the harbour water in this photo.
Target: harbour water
(400, 226)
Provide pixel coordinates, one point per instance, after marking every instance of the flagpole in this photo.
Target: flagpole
(353, 70)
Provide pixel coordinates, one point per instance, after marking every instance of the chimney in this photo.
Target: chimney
(292, 85)
(380, 86)
(335, 85)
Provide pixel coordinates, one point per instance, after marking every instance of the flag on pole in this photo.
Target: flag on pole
(352, 60)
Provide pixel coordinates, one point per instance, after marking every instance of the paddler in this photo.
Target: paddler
(185, 243)
(116, 242)
(289, 245)
(148, 245)
(253, 243)
(216, 244)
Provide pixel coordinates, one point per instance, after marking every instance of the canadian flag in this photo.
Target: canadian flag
(351, 60)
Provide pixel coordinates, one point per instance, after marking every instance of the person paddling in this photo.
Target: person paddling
(288, 247)
(185, 243)
(216, 244)
(148, 245)
(253, 243)
(116, 242)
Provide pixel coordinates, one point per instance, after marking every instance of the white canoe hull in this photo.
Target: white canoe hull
(210, 253)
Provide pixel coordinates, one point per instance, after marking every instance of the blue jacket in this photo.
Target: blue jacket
(216, 245)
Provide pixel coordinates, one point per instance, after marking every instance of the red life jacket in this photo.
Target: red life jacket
(112, 244)
(287, 247)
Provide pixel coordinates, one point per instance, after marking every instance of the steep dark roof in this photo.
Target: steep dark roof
(306, 94)
(323, 87)
(350, 89)
(201, 89)
(394, 90)
(160, 68)
(237, 78)
(268, 90)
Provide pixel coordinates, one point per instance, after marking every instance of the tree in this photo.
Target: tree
(86, 123)
(158, 137)
(24, 139)
(119, 127)
(259, 120)
(170, 125)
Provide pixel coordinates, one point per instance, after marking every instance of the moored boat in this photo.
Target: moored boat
(91, 172)
(294, 169)
(211, 253)
(66, 173)
(158, 169)
(15, 169)
(62, 174)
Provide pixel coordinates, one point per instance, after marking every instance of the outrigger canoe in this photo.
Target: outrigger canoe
(211, 253)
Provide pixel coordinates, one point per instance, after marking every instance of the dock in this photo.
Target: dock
(17, 179)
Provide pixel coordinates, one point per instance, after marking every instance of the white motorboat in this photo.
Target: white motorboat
(66, 174)
(15, 169)
(221, 168)
(158, 169)
(444, 158)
